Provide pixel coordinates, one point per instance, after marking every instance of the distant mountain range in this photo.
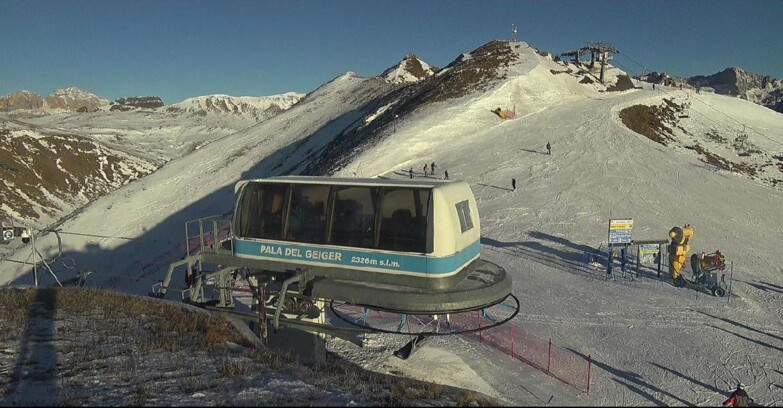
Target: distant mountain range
(734, 81)
(410, 69)
(90, 146)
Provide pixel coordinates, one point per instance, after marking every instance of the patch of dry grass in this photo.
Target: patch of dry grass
(141, 351)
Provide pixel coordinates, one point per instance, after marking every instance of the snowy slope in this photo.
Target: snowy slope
(49, 173)
(652, 344)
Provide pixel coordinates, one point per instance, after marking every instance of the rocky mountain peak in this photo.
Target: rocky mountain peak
(735, 81)
(136, 102)
(20, 100)
(75, 99)
(410, 69)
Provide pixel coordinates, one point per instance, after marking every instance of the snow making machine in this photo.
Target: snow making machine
(707, 269)
(394, 246)
(709, 272)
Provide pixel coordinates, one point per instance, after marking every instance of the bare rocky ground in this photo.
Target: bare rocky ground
(87, 347)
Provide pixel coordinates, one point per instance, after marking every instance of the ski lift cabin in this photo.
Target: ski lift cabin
(408, 246)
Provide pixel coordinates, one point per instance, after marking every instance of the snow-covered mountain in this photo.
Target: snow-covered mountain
(20, 100)
(734, 81)
(138, 140)
(75, 99)
(257, 108)
(410, 69)
(649, 342)
(24, 104)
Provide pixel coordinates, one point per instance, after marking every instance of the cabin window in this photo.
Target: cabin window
(353, 222)
(403, 224)
(261, 213)
(307, 213)
(465, 219)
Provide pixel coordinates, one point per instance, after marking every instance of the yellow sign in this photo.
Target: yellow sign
(621, 231)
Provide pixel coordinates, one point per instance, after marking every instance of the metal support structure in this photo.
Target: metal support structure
(159, 289)
(281, 299)
(602, 50)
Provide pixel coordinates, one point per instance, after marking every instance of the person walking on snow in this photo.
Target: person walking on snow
(432, 168)
(410, 172)
(548, 148)
(446, 173)
(425, 169)
(738, 398)
(513, 184)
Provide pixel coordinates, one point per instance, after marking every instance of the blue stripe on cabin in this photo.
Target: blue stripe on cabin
(354, 258)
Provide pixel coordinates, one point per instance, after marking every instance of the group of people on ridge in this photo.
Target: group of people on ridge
(431, 169)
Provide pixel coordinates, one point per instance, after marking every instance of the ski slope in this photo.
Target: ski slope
(652, 343)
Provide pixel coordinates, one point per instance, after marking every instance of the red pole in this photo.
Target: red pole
(549, 360)
(589, 368)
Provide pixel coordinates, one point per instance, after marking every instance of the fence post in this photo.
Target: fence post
(589, 368)
(638, 260)
(478, 317)
(512, 341)
(549, 359)
(731, 275)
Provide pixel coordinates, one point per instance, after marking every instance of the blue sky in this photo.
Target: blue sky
(182, 49)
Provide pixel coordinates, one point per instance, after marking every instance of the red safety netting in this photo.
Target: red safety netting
(561, 363)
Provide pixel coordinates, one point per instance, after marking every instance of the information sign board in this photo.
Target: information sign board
(648, 252)
(621, 231)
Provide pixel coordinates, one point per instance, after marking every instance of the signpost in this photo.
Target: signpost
(621, 231)
(620, 234)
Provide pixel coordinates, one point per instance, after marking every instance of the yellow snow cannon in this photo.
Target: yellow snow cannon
(678, 249)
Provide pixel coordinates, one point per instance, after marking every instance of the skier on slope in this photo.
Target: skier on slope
(738, 398)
